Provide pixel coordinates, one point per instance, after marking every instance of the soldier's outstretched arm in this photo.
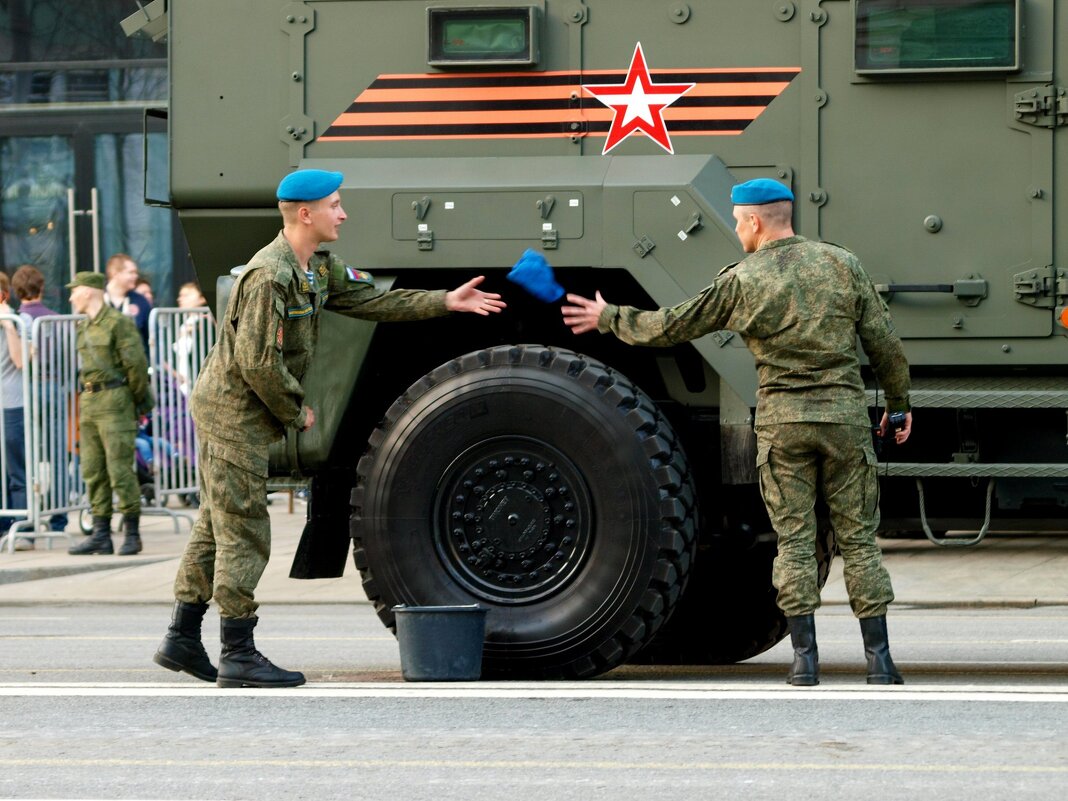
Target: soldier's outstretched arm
(468, 298)
(583, 314)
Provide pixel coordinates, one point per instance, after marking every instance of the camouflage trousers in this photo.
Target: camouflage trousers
(230, 543)
(106, 452)
(798, 462)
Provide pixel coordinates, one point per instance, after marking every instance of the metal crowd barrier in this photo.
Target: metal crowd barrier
(49, 416)
(179, 340)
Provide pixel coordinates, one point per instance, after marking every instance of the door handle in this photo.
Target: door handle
(94, 216)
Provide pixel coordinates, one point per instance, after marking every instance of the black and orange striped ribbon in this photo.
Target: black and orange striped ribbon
(546, 104)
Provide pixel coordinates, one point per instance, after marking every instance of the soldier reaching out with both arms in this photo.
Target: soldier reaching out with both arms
(800, 306)
(248, 392)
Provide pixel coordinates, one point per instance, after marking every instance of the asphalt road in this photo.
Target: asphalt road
(85, 714)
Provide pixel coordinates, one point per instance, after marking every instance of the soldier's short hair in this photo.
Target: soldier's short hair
(775, 215)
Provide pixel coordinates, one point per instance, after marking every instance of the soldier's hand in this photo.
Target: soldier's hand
(583, 314)
(309, 418)
(902, 433)
(466, 298)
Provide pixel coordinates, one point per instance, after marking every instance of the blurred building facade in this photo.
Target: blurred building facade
(74, 91)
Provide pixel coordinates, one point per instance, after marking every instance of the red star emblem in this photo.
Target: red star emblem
(638, 104)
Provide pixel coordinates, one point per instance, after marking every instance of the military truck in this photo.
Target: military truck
(601, 500)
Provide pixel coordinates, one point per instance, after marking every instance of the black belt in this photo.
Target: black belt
(90, 386)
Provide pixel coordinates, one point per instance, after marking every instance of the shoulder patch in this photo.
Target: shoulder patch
(358, 276)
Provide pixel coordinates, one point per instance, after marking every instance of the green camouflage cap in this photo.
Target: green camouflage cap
(89, 279)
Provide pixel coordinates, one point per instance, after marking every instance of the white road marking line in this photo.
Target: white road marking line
(711, 692)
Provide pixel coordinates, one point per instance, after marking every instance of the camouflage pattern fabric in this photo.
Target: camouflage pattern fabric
(249, 391)
(110, 350)
(796, 463)
(230, 543)
(800, 306)
(249, 388)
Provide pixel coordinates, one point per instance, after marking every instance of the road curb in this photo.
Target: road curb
(16, 575)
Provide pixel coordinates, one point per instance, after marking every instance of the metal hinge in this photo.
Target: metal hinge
(644, 246)
(1044, 106)
(1043, 288)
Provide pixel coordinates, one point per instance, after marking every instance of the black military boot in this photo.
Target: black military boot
(805, 671)
(99, 542)
(241, 665)
(182, 648)
(881, 668)
(132, 543)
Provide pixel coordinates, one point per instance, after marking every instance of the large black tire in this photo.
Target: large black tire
(540, 484)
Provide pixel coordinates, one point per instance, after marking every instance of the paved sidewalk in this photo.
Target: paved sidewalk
(48, 575)
(1007, 570)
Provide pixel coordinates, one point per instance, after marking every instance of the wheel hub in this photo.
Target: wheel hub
(513, 519)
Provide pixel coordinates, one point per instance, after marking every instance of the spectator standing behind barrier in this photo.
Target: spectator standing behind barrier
(187, 342)
(143, 287)
(248, 392)
(800, 307)
(14, 465)
(122, 278)
(28, 285)
(114, 395)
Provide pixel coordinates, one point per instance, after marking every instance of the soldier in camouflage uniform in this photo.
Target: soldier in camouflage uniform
(247, 394)
(114, 396)
(800, 306)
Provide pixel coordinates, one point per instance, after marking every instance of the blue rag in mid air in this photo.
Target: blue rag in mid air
(535, 275)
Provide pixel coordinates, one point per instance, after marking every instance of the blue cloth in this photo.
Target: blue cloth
(760, 191)
(309, 185)
(535, 275)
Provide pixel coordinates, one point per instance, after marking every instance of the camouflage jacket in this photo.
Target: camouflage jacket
(800, 306)
(249, 388)
(110, 350)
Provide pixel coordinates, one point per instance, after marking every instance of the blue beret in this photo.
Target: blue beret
(535, 275)
(309, 185)
(760, 191)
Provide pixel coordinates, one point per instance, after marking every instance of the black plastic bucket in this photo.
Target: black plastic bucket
(441, 643)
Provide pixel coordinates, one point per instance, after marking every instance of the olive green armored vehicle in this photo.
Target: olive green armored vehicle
(600, 500)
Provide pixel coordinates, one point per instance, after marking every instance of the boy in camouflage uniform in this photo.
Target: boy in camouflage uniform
(800, 306)
(247, 394)
(114, 396)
